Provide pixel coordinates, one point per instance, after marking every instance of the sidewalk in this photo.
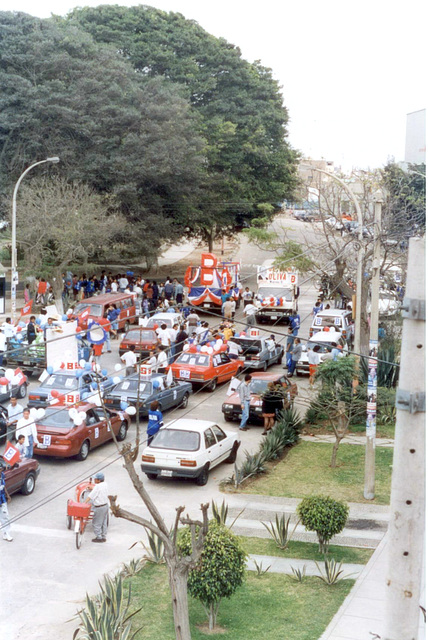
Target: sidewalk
(350, 439)
(283, 565)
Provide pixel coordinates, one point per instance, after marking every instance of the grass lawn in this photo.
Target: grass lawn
(382, 430)
(305, 470)
(305, 550)
(271, 607)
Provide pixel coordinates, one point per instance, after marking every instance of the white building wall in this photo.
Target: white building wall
(415, 152)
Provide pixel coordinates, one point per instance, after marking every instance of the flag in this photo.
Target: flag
(84, 315)
(11, 454)
(169, 377)
(26, 309)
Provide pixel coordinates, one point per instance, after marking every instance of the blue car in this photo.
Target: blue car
(66, 383)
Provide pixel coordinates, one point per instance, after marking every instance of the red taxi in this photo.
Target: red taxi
(61, 436)
(205, 369)
(144, 339)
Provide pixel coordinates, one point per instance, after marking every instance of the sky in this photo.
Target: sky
(349, 71)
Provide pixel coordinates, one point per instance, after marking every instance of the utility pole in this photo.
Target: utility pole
(369, 475)
(407, 522)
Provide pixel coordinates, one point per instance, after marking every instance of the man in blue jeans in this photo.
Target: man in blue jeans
(245, 397)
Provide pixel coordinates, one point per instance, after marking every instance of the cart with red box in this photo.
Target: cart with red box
(80, 512)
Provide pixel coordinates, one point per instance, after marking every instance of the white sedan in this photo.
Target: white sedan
(188, 448)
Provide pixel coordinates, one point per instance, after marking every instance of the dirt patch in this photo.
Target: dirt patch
(203, 628)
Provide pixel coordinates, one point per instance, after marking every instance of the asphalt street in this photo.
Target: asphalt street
(45, 577)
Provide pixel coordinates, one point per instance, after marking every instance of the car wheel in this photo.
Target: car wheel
(22, 391)
(152, 476)
(279, 358)
(202, 478)
(29, 484)
(265, 365)
(84, 451)
(121, 435)
(185, 401)
(227, 418)
(126, 326)
(212, 385)
(234, 452)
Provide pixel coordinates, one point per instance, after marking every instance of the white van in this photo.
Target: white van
(338, 319)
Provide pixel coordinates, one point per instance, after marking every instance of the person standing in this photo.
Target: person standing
(180, 340)
(4, 513)
(31, 330)
(245, 398)
(26, 426)
(272, 401)
(27, 293)
(179, 291)
(155, 421)
(2, 346)
(99, 499)
(129, 358)
(295, 323)
(314, 360)
(14, 413)
(289, 347)
(296, 354)
(123, 283)
(250, 313)
(162, 360)
(317, 307)
(247, 296)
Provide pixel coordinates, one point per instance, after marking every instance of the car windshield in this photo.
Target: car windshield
(194, 358)
(55, 418)
(59, 381)
(159, 322)
(258, 386)
(94, 309)
(277, 292)
(176, 439)
(141, 336)
(324, 347)
(132, 385)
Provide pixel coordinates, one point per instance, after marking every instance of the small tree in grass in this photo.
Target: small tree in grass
(325, 516)
(220, 570)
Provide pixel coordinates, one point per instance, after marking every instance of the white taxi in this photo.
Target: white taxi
(187, 448)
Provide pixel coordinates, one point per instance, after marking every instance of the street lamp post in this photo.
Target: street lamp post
(369, 474)
(14, 278)
(359, 283)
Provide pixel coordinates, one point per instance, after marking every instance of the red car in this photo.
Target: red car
(259, 381)
(21, 476)
(60, 437)
(145, 340)
(206, 368)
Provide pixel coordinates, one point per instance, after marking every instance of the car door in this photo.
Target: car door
(212, 447)
(227, 367)
(96, 427)
(222, 441)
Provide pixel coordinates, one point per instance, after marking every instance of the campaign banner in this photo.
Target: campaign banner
(11, 454)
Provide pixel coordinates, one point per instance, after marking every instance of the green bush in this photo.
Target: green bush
(324, 515)
(220, 570)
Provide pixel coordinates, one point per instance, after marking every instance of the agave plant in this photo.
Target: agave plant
(132, 568)
(259, 568)
(280, 530)
(220, 513)
(299, 574)
(155, 550)
(106, 616)
(333, 571)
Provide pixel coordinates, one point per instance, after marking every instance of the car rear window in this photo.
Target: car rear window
(328, 321)
(55, 418)
(324, 347)
(159, 322)
(258, 386)
(194, 358)
(58, 381)
(94, 309)
(132, 385)
(176, 439)
(141, 335)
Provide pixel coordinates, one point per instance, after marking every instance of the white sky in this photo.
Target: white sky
(350, 70)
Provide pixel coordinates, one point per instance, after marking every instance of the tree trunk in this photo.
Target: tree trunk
(334, 453)
(210, 240)
(212, 616)
(340, 432)
(180, 607)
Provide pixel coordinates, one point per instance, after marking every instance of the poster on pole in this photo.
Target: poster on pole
(372, 390)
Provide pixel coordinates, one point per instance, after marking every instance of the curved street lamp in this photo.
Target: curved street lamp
(14, 276)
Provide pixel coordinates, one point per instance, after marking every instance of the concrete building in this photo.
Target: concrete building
(415, 151)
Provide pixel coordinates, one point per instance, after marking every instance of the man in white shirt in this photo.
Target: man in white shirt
(8, 329)
(173, 337)
(99, 499)
(26, 427)
(130, 360)
(14, 413)
(250, 313)
(162, 361)
(164, 335)
(123, 283)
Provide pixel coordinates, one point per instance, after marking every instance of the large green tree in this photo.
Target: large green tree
(64, 94)
(239, 105)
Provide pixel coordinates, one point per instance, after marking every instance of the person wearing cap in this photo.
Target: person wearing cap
(99, 499)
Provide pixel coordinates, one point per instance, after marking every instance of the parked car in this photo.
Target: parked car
(188, 448)
(352, 227)
(256, 353)
(334, 223)
(175, 395)
(17, 388)
(170, 319)
(61, 438)
(21, 476)
(325, 340)
(98, 306)
(334, 320)
(66, 383)
(144, 339)
(205, 369)
(304, 215)
(231, 407)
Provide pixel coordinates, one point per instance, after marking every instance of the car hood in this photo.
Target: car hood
(235, 399)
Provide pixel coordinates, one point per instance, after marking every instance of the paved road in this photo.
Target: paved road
(45, 577)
